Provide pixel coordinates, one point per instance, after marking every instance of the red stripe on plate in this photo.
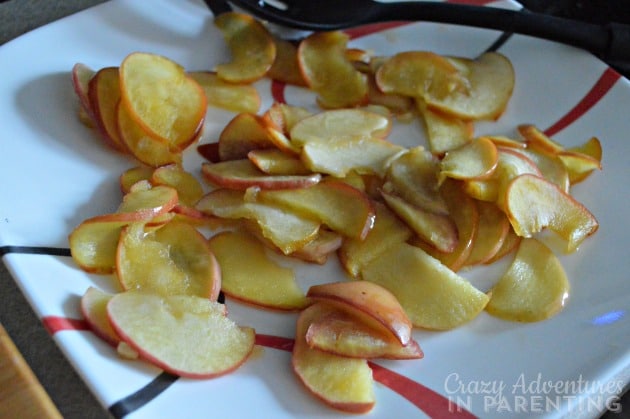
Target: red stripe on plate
(433, 404)
(371, 28)
(277, 91)
(606, 81)
(472, 2)
(54, 324)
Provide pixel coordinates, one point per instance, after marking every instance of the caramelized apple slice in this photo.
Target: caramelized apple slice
(328, 71)
(230, 96)
(183, 335)
(132, 176)
(286, 68)
(338, 332)
(444, 132)
(475, 160)
(149, 203)
(534, 288)
(161, 98)
(252, 46)
(260, 281)
(533, 203)
(343, 383)
(276, 162)
(491, 233)
(433, 296)
(436, 229)
(188, 188)
(104, 95)
(370, 302)
(491, 81)
(174, 259)
(420, 74)
(245, 132)
(388, 229)
(242, 174)
(338, 205)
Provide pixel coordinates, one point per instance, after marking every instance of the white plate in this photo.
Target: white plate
(56, 173)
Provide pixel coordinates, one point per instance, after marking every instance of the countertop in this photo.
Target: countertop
(66, 389)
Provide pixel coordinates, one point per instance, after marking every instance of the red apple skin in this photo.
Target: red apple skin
(263, 182)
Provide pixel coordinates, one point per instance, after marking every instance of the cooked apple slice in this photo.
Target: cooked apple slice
(436, 229)
(283, 117)
(414, 176)
(511, 163)
(276, 162)
(491, 233)
(242, 174)
(339, 124)
(149, 203)
(338, 332)
(104, 95)
(579, 165)
(491, 78)
(285, 229)
(161, 98)
(132, 176)
(510, 243)
(81, 75)
(343, 383)
(93, 242)
(260, 281)
(286, 68)
(433, 296)
(400, 106)
(503, 141)
(420, 74)
(230, 96)
(361, 155)
(533, 203)
(444, 132)
(174, 259)
(94, 311)
(551, 167)
(245, 132)
(538, 140)
(370, 302)
(148, 150)
(534, 288)
(188, 188)
(183, 335)
(475, 160)
(252, 47)
(388, 229)
(338, 205)
(317, 250)
(328, 71)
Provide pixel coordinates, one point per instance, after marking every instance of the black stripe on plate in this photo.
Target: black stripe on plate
(35, 250)
(143, 396)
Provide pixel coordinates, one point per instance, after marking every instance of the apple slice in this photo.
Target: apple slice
(533, 203)
(252, 47)
(242, 174)
(338, 332)
(432, 296)
(338, 205)
(160, 97)
(328, 71)
(510, 243)
(444, 132)
(283, 117)
(276, 162)
(420, 73)
(104, 95)
(413, 175)
(285, 68)
(94, 311)
(388, 229)
(436, 229)
(174, 259)
(149, 203)
(188, 188)
(534, 288)
(245, 132)
(131, 176)
(260, 281)
(474, 160)
(491, 233)
(361, 155)
(538, 140)
(340, 124)
(183, 335)
(286, 230)
(317, 250)
(343, 383)
(370, 302)
(81, 75)
(230, 96)
(491, 81)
